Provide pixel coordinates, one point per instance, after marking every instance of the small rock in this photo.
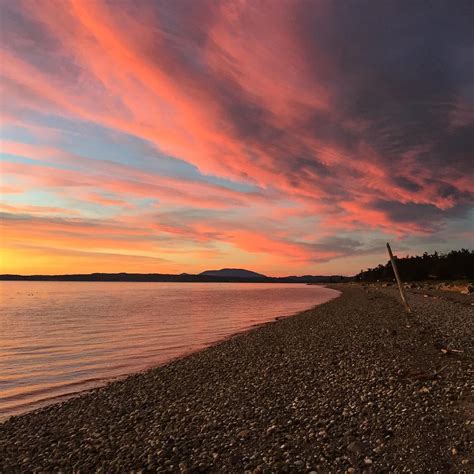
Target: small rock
(271, 429)
(243, 433)
(356, 447)
(368, 461)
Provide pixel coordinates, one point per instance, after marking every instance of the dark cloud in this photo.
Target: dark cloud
(425, 215)
(406, 183)
(344, 247)
(399, 67)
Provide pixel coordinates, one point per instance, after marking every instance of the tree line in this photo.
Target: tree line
(457, 264)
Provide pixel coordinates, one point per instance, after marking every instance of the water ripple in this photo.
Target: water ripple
(71, 336)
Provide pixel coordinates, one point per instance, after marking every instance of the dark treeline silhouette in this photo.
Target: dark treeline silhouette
(457, 264)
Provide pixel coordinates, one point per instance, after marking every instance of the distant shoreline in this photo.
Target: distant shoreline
(184, 278)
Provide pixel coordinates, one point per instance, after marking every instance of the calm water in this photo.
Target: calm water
(57, 338)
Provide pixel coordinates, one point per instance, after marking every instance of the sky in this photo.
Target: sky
(285, 137)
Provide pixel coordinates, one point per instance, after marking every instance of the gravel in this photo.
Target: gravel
(354, 385)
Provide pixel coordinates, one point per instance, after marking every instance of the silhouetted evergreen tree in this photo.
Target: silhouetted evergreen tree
(457, 264)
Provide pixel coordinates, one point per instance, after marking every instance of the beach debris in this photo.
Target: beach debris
(426, 376)
(399, 281)
(446, 350)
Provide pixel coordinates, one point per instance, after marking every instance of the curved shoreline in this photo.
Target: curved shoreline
(41, 393)
(98, 382)
(339, 387)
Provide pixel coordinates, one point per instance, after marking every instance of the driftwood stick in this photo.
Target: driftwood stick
(429, 376)
(447, 350)
(399, 281)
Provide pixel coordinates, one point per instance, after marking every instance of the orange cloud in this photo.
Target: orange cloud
(278, 100)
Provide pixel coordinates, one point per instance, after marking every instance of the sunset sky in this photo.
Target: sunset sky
(286, 137)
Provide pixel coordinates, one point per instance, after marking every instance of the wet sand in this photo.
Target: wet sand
(353, 385)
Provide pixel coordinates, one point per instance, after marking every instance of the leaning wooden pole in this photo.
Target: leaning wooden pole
(399, 281)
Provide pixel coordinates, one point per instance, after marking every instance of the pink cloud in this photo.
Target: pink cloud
(119, 178)
(277, 98)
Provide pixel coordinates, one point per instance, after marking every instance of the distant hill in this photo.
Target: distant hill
(211, 276)
(233, 273)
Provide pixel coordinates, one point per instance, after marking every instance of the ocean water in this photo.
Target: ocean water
(59, 338)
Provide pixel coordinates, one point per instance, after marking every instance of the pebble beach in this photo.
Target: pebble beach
(353, 385)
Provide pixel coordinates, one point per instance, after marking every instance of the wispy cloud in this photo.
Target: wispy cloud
(358, 115)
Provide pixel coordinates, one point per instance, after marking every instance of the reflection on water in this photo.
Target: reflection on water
(57, 338)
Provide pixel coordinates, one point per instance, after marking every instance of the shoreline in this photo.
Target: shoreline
(334, 387)
(99, 383)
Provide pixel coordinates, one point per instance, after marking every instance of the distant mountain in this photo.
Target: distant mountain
(233, 273)
(212, 276)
